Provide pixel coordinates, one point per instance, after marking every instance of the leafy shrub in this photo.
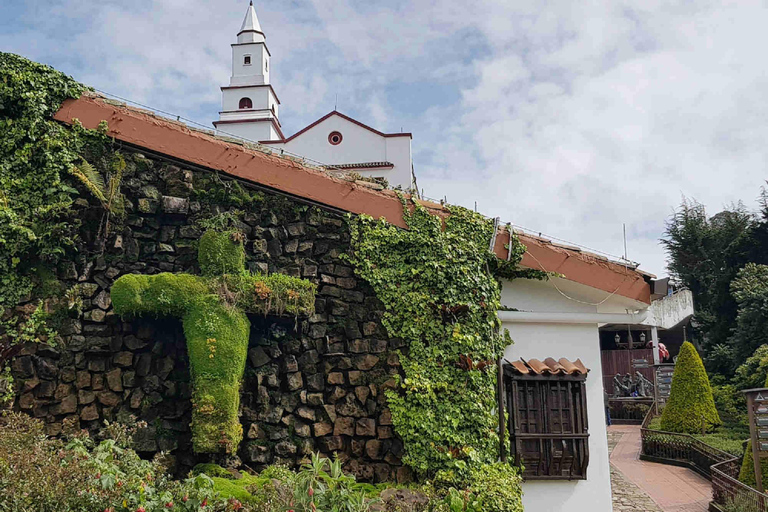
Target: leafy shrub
(691, 407)
(39, 473)
(752, 373)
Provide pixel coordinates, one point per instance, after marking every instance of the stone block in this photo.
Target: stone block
(344, 426)
(365, 427)
(89, 413)
(85, 397)
(373, 449)
(258, 453)
(330, 444)
(129, 379)
(336, 378)
(258, 357)
(175, 205)
(294, 381)
(306, 413)
(115, 380)
(365, 362)
(315, 399)
(103, 300)
(108, 398)
(322, 429)
(83, 379)
(362, 392)
(285, 449)
(68, 405)
(123, 359)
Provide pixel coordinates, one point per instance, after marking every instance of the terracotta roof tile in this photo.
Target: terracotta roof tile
(295, 177)
(549, 366)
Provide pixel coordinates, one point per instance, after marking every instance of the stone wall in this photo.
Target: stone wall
(313, 384)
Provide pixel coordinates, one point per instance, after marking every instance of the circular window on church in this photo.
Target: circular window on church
(335, 138)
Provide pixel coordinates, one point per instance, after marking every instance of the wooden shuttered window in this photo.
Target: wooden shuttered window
(548, 425)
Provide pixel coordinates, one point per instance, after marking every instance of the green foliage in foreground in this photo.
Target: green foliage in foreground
(440, 295)
(38, 473)
(321, 485)
(691, 407)
(215, 326)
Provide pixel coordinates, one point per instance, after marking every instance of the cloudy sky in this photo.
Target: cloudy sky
(569, 118)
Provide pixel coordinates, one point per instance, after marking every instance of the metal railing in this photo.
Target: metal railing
(720, 467)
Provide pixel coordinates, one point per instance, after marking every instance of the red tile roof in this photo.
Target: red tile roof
(142, 129)
(549, 367)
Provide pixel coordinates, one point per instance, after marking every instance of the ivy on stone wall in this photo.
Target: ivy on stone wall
(436, 280)
(37, 155)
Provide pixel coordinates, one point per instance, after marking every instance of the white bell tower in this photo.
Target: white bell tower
(249, 105)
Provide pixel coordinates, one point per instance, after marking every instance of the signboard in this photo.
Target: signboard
(640, 363)
(757, 407)
(663, 381)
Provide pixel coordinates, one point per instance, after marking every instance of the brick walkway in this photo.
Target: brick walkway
(627, 497)
(670, 488)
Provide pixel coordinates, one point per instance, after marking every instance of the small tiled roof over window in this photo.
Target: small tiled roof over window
(549, 367)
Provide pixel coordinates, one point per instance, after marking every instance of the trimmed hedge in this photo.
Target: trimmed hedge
(691, 407)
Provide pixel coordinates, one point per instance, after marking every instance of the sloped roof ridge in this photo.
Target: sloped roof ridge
(293, 176)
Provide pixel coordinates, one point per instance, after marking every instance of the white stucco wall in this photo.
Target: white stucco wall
(262, 98)
(250, 131)
(358, 145)
(572, 341)
(257, 72)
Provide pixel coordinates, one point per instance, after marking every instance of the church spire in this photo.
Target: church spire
(249, 104)
(250, 31)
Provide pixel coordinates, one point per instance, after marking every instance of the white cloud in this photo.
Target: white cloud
(569, 118)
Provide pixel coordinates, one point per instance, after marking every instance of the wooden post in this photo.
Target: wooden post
(500, 407)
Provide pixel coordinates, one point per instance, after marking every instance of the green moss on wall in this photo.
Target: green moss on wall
(691, 407)
(212, 308)
(221, 252)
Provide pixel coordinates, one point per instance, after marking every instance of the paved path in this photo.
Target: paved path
(627, 497)
(672, 488)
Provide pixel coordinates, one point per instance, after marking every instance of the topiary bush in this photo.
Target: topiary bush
(212, 308)
(691, 407)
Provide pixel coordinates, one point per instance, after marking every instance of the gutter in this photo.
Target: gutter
(531, 317)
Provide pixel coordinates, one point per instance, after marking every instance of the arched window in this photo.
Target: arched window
(246, 103)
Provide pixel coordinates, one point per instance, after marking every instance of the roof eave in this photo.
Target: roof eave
(177, 141)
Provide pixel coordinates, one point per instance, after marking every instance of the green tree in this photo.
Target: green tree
(705, 254)
(212, 309)
(750, 290)
(691, 407)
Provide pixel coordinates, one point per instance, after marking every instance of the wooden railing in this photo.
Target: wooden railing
(720, 467)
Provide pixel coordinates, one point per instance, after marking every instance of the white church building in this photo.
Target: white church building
(250, 111)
